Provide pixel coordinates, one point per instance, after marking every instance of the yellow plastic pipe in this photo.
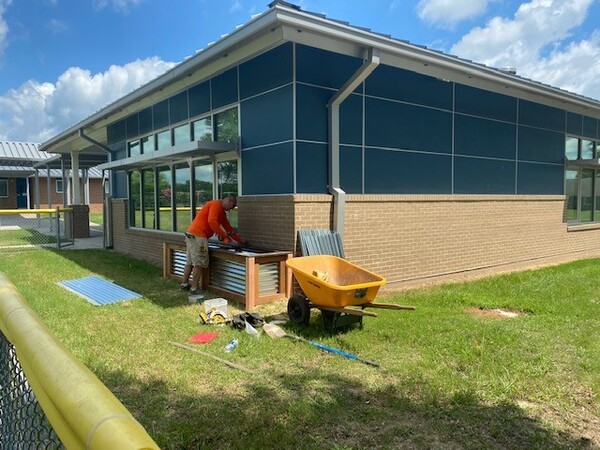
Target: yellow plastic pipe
(82, 411)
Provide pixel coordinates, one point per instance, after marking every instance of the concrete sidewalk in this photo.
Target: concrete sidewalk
(96, 240)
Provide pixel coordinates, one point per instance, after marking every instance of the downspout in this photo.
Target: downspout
(339, 196)
(101, 147)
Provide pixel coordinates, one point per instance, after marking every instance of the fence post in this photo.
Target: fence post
(58, 227)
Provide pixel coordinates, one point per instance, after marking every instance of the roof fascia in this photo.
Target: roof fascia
(320, 32)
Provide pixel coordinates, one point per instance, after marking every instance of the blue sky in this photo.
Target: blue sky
(61, 60)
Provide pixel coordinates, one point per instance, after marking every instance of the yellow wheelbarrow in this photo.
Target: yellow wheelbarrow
(340, 289)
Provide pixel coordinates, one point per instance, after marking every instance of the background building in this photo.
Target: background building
(19, 163)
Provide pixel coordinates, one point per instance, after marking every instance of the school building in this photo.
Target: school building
(432, 168)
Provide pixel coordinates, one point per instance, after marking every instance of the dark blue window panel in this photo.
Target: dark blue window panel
(224, 88)
(160, 112)
(351, 120)
(394, 172)
(397, 125)
(120, 185)
(399, 84)
(199, 98)
(145, 118)
(540, 179)
(542, 116)
(574, 123)
(311, 168)
(351, 169)
(541, 145)
(311, 112)
(178, 107)
(478, 102)
(267, 118)
(267, 71)
(268, 170)
(133, 126)
(119, 150)
(590, 127)
(483, 176)
(116, 132)
(481, 137)
(324, 68)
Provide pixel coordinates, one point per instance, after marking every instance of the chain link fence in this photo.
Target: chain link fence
(26, 229)
(23, 424)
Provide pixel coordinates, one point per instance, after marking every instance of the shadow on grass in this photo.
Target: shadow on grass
(281, 411)
(131, 273)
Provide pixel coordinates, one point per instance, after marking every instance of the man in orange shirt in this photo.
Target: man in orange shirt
(209, 221)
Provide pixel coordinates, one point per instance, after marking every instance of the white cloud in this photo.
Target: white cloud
(36, 111)
(449, 12)
(522, 42)
(121, 6)
(3, 25)
(235, 7)
(57, 26)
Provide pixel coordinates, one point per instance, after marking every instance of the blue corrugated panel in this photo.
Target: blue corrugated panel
(98, 291)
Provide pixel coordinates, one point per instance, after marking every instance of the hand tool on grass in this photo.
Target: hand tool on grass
(275, 331)
(216, 358)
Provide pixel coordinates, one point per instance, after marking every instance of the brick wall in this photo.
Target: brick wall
(409, 240)
(142, 244)
(416, 240)
(10, 202)
(96, 193)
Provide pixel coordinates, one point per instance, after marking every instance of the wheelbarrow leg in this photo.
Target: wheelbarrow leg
(333, 319)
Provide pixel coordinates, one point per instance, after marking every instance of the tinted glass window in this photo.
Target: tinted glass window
(572, 188)
(135, 196)
(572, 148)
(163, 140)
(226, 126)
(202, 129)
(181, 134)
(148, 211)
(160, 112)
(178, 108)
(165, 190)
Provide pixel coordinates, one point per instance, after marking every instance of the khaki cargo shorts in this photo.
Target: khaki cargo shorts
(197, 251)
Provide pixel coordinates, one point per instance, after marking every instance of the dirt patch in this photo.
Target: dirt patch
(497, 313)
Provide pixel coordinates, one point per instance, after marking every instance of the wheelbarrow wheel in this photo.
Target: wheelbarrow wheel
(298, 309)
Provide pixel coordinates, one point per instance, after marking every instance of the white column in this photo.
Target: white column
(75, 175)
(49, 183)
(37, 189)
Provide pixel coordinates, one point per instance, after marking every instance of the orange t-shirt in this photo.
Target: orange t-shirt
(211, 220)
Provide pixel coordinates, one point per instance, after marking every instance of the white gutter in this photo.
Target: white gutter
(339, 196)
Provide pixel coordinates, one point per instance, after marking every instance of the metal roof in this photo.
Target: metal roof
(21, 153)
(27, 171)
(22, 158)
(285, 22)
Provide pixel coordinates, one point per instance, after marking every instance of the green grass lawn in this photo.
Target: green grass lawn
(448, 379)
(24, 237)
(97, 218)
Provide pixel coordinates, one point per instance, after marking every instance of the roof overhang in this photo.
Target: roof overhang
(194, 150)
(86, 161)
(283, 23)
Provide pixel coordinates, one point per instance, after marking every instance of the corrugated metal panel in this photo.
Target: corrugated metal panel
(231, 275)
(98, 291)
(320, 242)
